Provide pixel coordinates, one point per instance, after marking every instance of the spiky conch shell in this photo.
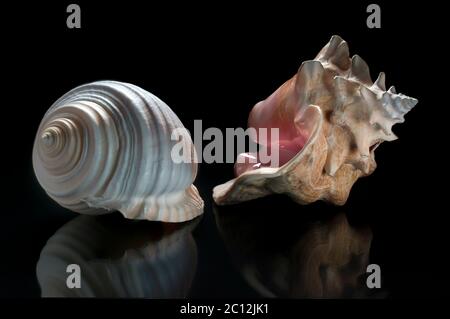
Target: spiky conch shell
(346, 116)
(132, 265)
(106, 146)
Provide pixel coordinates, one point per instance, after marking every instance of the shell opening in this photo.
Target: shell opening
(286, 149)
(293, 134)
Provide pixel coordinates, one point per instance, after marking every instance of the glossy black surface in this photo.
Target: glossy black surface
(269, 247)
(214, 62)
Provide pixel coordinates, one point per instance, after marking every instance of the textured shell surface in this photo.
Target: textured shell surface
(331, 117)
(119, 260)
(106, 146)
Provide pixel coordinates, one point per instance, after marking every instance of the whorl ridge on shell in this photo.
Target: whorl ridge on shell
(106, 146)
(345, 116)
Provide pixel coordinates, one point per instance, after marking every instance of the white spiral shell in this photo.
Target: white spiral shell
(106, 146)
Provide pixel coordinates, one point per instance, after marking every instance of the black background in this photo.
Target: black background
(214, 62)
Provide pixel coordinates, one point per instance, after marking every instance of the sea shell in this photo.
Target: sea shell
(119, 259)
(106, 146)
(295, 258)
(331, 118)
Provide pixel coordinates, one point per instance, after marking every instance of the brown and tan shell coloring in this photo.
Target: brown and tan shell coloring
(345, 116)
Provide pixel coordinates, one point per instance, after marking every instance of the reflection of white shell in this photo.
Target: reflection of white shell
(119, 260)
(107, 146)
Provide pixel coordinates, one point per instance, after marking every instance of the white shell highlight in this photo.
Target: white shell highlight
(106, 146)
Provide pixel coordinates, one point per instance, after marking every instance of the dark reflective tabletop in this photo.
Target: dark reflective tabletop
(271, 247)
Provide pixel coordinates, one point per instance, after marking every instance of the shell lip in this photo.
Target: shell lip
(221, 192)
(276, 171)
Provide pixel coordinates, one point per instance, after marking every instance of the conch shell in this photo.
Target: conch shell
(106, 146)
(331, 118)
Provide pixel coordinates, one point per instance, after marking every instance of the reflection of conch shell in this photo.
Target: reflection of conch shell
(119, 258)
(331, 117)
(330, 260)
(107, 146)
(325, 259)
